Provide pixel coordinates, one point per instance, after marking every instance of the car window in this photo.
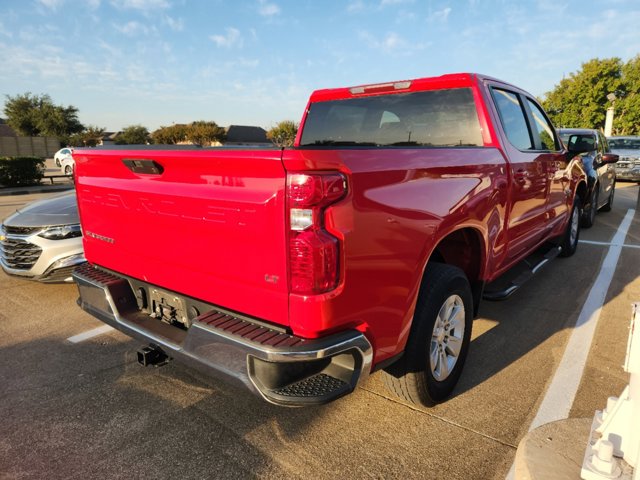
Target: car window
(513, 118)
(542, 128)
(601, 144)
(625, 143)
(435, 118)
(605, 143)
(584, 142)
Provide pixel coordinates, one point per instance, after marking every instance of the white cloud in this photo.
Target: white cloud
(132, 28)
(4, 31)
(268, 9)
(390, 41)
(231, 39)
(146, 6)
(355, 6)
(93, 4)
(439, 16)
(177, 25)
(50, 4)
(384, 3)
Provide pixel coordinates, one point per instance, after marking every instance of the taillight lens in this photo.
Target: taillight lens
(313, 252)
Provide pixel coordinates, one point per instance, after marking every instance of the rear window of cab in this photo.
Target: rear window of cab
(434, 118)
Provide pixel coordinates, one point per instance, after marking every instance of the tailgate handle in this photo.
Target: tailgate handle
(144, 167)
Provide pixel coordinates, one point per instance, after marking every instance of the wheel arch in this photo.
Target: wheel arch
(464, 248)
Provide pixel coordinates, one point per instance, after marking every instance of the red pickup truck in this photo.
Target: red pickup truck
(368, 245)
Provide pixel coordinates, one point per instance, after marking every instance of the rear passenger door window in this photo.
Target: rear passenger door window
(544, 136)
(513, 118)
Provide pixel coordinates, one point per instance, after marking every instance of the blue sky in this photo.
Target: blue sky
(255, 62)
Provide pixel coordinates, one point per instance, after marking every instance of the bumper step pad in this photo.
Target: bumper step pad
(319, 385)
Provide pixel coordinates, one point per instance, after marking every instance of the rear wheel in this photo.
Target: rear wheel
(68, 170)
(439, 341)
(607, 206)
(569, 242)
(589, 216)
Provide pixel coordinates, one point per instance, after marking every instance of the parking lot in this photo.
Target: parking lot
(87, 409)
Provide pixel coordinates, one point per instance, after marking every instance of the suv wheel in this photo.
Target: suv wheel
(607, 206)
(439, 341)
(589, 216)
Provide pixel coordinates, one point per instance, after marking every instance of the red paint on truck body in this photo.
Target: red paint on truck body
(215, 224)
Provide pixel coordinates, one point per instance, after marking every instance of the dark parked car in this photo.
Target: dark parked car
(598, 165)
(628, 149)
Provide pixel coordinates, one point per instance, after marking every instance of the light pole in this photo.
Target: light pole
(608, 122)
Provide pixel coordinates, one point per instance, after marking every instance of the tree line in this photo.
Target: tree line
(579, 100)
(36, 115)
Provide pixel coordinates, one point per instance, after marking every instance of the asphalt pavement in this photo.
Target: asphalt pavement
(88, 410)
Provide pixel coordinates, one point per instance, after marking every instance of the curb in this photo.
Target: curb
(36, 189)
(554, 450)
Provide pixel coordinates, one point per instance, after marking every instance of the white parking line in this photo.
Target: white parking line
(562, 391)
(81, 337)
(606, 244)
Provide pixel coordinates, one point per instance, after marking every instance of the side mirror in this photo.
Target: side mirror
(610, 158)
(581, 144)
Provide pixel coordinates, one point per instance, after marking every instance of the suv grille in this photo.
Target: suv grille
(20, 230)
(19, 254)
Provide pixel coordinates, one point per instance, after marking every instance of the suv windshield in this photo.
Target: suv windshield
(625, 143)
(438, 118)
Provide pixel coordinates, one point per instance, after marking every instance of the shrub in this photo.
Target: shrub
(21, 171)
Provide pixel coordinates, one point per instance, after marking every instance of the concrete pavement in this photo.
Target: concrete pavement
(83, 410)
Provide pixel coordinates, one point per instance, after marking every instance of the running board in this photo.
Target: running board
(522, 272)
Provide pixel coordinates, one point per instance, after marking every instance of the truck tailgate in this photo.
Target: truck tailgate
(206, 223)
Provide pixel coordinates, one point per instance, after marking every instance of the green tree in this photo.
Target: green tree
(133, 135)
(284, 133)
(36, 115)
(89, 137)
(580, 101)
(205, 133)
(170, 135)
(627, 107)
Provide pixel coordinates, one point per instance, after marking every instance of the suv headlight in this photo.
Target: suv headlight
(61, 232)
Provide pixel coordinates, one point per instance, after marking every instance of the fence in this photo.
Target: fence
(43, 147)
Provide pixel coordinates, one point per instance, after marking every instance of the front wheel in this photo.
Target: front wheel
(68, 170)
(571, 234)
(439, 340)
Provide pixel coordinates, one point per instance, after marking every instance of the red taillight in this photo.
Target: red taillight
(313, 252)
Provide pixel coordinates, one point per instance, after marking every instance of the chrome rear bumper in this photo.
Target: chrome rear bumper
(282, 368)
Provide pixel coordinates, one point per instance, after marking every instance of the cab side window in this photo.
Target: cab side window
(513, 118)
(543, 131)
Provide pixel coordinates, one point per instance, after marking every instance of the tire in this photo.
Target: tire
(432, 363)
(589, 216)
(569, 242)
(607, 206)
(57, 160)
(68, 170)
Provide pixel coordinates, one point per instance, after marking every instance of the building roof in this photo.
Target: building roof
(246, 134)
(6, 130)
